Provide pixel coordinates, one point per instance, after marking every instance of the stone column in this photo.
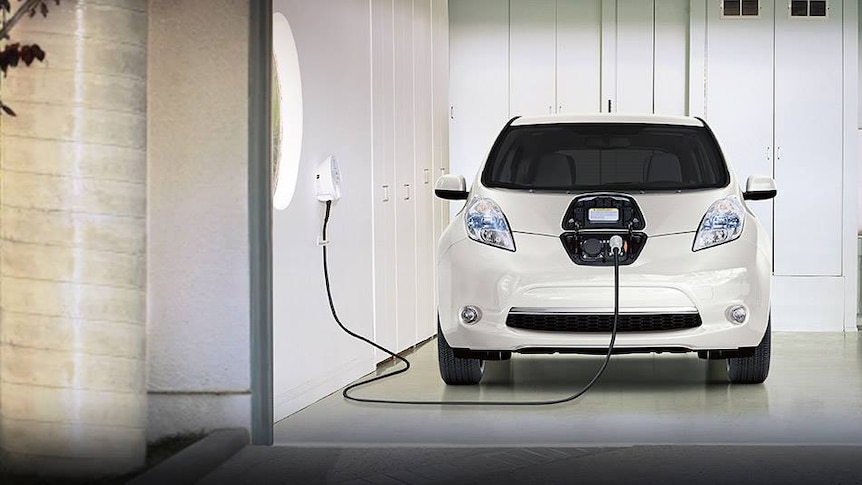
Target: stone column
(73, 242)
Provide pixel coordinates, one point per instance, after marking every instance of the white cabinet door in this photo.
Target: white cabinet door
(382, 75)
(644, 56)
(440, 130)
(423, 77)
(405, 178)
(532, 73)
(739, 93)
(635, 42)
(579, 63)
(670, 64)
(808, 141)
(440, 47)
(479, 82)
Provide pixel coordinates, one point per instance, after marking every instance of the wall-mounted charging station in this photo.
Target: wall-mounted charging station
(327, 180)
(327, 188)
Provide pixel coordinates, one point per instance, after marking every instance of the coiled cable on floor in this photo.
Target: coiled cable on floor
(348, 389)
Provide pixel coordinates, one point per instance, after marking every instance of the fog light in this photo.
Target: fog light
(470, 314)
(737, 314)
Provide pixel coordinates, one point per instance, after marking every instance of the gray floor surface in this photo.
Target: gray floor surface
(650, 419)
(813, 396)
(500, 466)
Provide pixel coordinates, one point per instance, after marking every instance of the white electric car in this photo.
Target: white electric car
(525, 266)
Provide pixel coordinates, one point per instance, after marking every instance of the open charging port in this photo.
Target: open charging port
(591, 248)
(592, 220)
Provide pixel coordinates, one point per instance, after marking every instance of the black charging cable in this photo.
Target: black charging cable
(346, 391)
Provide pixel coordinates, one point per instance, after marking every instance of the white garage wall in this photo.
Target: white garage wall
(533, 57)
(806, 141)
(670, 90)
(360, 94)
(478, 83)
(851, 170)
(859, 120)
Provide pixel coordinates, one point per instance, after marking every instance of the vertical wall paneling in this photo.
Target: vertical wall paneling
(852, 8)
(423, 122)
(808, 142)
(405, 176)
(532, 60)
(634, 56)
(609, 55)
(479, 82)
(736, 46)
(807, 303)
(851, 183)
(670, 82)
(440, 126)
(440, 48)
(579, 63)
(697, 58)
(383, 74)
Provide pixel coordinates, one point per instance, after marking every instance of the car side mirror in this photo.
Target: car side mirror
(759, 187)
(451, 187)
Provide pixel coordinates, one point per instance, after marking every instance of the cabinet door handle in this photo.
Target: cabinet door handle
(451, 112)
(778, 153)
(427, 175)
(768, 154)
(550, 109)
(385, 193)
(406, 191)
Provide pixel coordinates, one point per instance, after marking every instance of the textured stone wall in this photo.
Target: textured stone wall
(73, 243)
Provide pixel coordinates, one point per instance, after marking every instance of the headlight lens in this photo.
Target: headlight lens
(722, 223)
(486, 224)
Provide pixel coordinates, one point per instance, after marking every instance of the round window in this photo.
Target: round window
(275, 109)
(286, 113)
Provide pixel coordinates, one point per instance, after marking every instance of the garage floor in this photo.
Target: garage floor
(812, 396)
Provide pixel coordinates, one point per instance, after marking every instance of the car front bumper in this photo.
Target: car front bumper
(667, 277)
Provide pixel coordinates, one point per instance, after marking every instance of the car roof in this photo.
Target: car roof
(607, 118)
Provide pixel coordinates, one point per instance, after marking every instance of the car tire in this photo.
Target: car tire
(753, 369)
(455, 370)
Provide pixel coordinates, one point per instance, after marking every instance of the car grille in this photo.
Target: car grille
(561, 322)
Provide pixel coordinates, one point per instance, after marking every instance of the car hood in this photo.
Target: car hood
(664, 212)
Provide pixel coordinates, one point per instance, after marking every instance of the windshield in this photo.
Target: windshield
(605, 156)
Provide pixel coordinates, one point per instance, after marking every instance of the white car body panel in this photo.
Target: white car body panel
(664, 213)
(667, 276)
(607, 118)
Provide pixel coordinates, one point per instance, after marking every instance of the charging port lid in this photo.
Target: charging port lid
(604, 211)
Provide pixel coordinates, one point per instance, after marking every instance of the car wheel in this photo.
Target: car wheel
(753, 369)
(455, 370)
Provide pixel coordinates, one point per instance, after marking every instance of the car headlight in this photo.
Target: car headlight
(722, 223)
(485, 223)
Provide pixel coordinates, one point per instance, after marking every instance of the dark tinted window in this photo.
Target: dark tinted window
(817, 9)
(735, 8)
(731, 7)
(604, 156)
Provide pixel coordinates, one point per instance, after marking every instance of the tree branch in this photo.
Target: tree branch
(22, 10)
